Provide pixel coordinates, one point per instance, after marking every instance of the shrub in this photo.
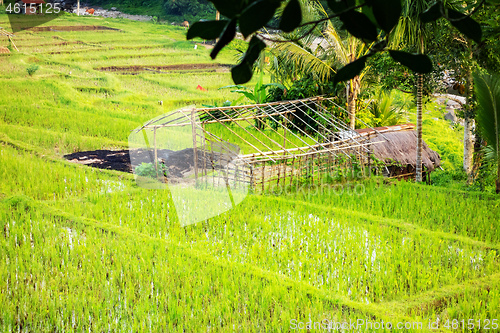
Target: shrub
(32, 69)
(149, 170)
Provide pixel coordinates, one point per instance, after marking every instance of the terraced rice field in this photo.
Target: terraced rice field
(85, 249)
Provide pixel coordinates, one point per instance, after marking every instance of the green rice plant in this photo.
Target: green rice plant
(59, 180)
(31, 70)
(372, 261)
(149, 170)
(435, 208)
(133, 283)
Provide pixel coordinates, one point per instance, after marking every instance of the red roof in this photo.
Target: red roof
(33, 1)
(395, 128)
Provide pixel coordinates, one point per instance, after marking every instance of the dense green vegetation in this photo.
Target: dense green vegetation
(86, 249)
(170, 10)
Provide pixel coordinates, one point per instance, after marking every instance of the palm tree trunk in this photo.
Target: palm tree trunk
(352, 99)
(497, 181)
(469, 123)
(418, 167)
(468, 146)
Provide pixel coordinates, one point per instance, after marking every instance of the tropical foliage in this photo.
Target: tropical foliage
(188, 7)
(318, 55)
(488, 117)
(385, 111)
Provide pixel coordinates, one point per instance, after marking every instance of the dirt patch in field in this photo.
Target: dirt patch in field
(179, 163)
(72, 28)
(165, 69)
(103, 159)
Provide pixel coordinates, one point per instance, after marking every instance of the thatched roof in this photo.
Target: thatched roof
(400, 145)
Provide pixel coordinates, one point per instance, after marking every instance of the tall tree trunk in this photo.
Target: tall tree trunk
(469, 122)
(353, 88)
(352, 98)
(418, 167)
(468, 146)
(497, 181)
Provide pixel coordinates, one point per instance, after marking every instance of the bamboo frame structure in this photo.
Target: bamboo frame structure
(289, 140)
(9, 36)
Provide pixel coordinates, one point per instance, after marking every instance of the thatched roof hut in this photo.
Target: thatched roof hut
(399, 149)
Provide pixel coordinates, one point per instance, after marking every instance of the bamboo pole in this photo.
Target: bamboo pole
(253, 136)
(251, 106)
(299, 129)
(341, 148)
(169, 124)
(252, 178)
(263, 133)
(155, 152)
(263, 175)
(279, 172)
(236, 134)
(284, 135)
(208, 110)
(13, 44)
(195, 148)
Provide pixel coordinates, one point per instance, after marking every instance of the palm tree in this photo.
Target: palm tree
(488, 117)
(320, 54)
(411, 33)
(385, 111)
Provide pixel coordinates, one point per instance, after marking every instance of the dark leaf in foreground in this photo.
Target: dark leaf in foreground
(359, 25)
(432, 13)
(292, 16)
(256, 16)
(466, 25)
(226, 38)
(387, 13)
(242, 73)
(349, 71)
(418, 63)
(207, 30)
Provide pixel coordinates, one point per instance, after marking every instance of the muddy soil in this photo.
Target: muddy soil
(72, 28)
(164, 68)
(179, 163)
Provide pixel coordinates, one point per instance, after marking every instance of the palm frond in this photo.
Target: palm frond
(303, 60)
(488, 114)
(410, 31)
